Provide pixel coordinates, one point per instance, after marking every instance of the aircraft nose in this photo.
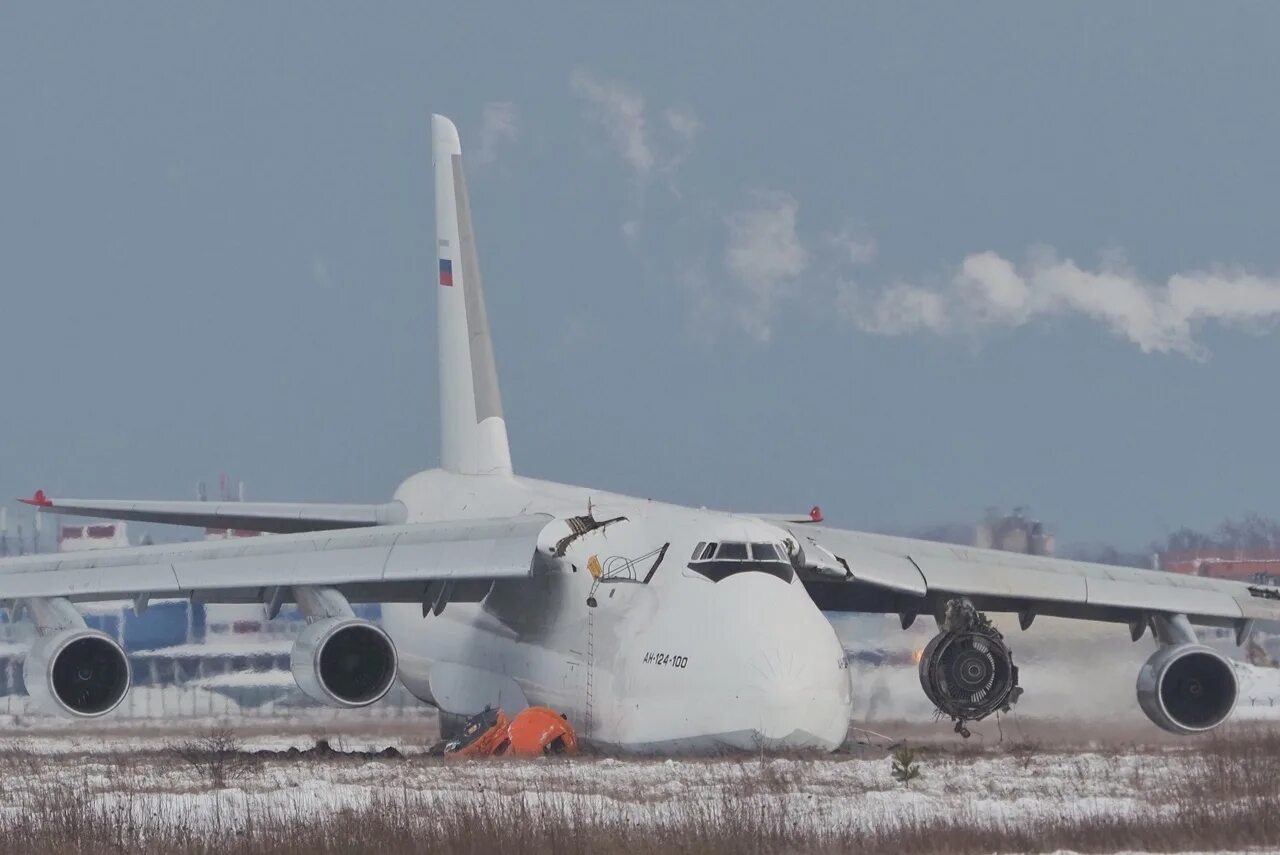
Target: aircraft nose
(792, 704)
(796, 697)
(793, 690)
(750, 664)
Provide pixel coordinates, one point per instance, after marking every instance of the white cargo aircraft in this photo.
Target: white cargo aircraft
(653, 627)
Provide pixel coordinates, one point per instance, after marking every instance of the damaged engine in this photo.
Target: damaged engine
(966, 670)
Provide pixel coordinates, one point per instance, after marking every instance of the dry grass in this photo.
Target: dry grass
(1222, 794)
(67, 822)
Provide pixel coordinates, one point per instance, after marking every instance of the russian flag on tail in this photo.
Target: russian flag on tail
(446, 272)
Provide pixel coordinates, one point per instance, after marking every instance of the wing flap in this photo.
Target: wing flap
(1116, 593)
(1258, 608)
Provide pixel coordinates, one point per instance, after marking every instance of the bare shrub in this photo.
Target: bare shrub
(217, 756)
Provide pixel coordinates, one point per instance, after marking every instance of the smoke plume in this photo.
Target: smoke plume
(989, 291)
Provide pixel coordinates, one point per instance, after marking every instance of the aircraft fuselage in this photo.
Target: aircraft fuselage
(620, 628)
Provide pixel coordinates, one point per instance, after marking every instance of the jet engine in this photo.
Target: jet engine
(966, 670)
(78, 672)
(1187, 688)
(344, 662)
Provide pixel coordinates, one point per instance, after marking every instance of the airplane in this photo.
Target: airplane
(652, 627)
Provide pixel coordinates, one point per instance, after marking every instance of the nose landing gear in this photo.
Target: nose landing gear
(966, 670)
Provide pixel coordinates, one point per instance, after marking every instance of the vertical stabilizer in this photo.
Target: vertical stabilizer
(473, 434)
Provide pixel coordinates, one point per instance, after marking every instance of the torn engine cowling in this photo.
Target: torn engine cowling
(1187, 688)
(966, 670)
(344, 662)
(78, 672)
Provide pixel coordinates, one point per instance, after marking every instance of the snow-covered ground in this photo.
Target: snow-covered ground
(1015, 786)
(820, 793)
(1024, 773)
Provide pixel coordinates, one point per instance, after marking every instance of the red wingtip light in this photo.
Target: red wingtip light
(815, 513)
(39, 500)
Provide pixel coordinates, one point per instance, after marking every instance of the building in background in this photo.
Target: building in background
(21, 539)
(1013, 532)
(1253, 567)
(86, 538)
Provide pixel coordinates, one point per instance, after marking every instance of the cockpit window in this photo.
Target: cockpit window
(697, 550)
(732, 552)
(765, 552)
(717, 561)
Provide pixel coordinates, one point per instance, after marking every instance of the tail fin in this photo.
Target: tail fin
(473, 434)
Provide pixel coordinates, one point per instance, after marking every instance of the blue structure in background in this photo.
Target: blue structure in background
(164, 643)
(163, 624)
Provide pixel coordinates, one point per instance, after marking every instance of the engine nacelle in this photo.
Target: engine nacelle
(1187, 688)
(969, 674)
(344, 662)
(77, 672)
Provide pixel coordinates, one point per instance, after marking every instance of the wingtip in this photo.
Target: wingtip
(39, 500)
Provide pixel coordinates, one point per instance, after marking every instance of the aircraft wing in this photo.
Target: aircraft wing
(272, 517)
(382, 564)
(853, 571)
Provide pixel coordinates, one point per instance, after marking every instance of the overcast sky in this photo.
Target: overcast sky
(906, 261)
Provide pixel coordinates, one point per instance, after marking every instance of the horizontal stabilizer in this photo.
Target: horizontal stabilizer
(272, 517)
